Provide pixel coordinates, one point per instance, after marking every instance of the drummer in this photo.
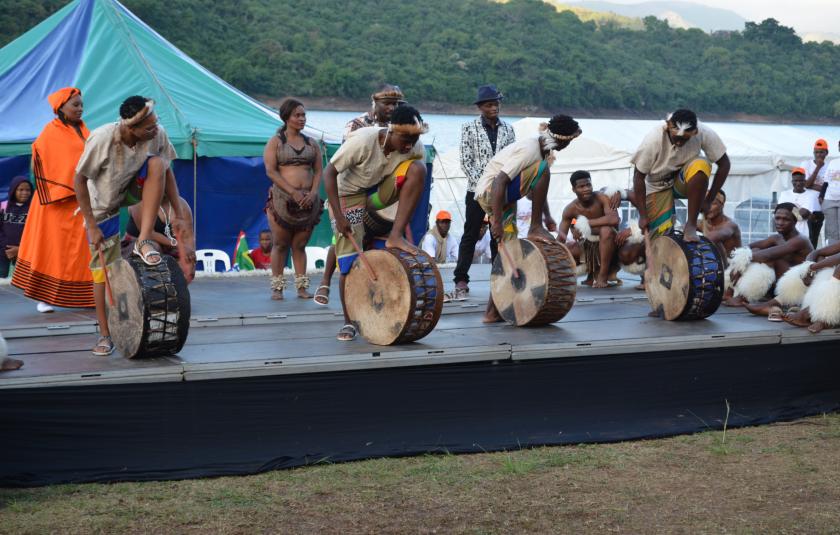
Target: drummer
(521, 168)
(668, 164)
(595, 225)
(382, 104)
(373, 169)
(123, 163)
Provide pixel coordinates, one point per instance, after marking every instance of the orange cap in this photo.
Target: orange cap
(797, 171)
(443, 215)
(821, 144)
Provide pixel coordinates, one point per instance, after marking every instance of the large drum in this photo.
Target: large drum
(545, 289)
(687, 278)
(378, 224)
(403, 304)
(151, 312)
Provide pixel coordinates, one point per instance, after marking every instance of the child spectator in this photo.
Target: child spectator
(262, 254)
(12, 219)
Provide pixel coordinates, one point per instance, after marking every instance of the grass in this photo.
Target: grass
(780, 478)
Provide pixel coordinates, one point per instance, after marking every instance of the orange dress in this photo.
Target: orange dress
(53, 259)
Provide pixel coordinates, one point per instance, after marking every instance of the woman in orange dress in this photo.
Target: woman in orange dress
(53, 258)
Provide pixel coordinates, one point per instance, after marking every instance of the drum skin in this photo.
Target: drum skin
(546, 287)
(403, 304)
(151, 312)
(687, 278)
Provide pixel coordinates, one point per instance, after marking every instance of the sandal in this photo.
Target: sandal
(346, 333)
(322, 295)
(775, 314)
(139, 244)
(104, 346)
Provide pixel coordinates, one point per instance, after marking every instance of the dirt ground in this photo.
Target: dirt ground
(782, 478)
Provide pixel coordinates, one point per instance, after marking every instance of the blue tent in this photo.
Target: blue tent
(218, 131)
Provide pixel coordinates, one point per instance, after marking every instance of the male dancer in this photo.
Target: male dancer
(374, 168)
(382, 104)
(719, 229)
(519, 169)
(124, 163)
(754, 269)
(668, 163)
(595, 227)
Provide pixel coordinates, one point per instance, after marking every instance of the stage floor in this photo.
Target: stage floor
(237, 331)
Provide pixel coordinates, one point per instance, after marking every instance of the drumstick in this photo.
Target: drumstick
(362, 257)
(511, 265)
(107, 279)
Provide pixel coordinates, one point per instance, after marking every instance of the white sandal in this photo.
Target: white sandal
(145, 257)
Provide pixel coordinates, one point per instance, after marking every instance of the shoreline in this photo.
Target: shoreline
(510, 110)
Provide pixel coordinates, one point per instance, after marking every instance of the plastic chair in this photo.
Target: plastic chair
(209, 257)
(314, 255)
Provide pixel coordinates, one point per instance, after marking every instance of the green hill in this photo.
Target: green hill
(440, 51)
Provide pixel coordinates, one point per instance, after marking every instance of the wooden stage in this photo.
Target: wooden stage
(263, 384)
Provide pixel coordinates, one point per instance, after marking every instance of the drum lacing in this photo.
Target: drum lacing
(278, 283)
(301, 282)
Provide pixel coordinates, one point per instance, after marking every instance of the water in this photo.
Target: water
(444, 130)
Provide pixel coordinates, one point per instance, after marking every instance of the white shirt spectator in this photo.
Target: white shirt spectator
(809, 167)
(430, 244)
(808, 199)
(482, 250)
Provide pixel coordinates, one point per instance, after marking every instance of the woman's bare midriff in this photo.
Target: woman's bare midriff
(297, 176)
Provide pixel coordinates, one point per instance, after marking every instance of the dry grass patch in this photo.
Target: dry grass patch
(780, 478)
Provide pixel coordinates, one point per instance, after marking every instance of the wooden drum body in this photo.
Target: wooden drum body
(378, 224)
(546, 287)
(151, 312)
(402, 305)
(687, 278)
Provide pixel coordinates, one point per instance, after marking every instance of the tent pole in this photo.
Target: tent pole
(195, 186)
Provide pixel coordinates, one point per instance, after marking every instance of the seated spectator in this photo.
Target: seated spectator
(483, 248)
(808, 201)
(262, 254)
(164, 236)
(13, 214)
(438, 242)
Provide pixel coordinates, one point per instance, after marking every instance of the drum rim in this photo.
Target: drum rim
(542, 317)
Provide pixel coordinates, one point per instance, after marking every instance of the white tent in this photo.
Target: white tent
(761, 157)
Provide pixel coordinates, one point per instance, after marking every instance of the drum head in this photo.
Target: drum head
(669, 288)
(384, 309)
(126, 316)
(151, 321)
(538, 295)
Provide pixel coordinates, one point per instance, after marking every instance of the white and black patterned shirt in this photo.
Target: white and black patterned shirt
(476, 149)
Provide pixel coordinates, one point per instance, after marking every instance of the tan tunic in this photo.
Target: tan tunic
(110, 171)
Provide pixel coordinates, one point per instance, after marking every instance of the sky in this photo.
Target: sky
(805, 16)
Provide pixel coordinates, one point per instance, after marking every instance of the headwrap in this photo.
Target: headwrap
(389, 94)
(60, 97)
(140, 115)
(409, 129)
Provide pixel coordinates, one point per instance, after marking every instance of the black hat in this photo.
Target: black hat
(488, 92)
